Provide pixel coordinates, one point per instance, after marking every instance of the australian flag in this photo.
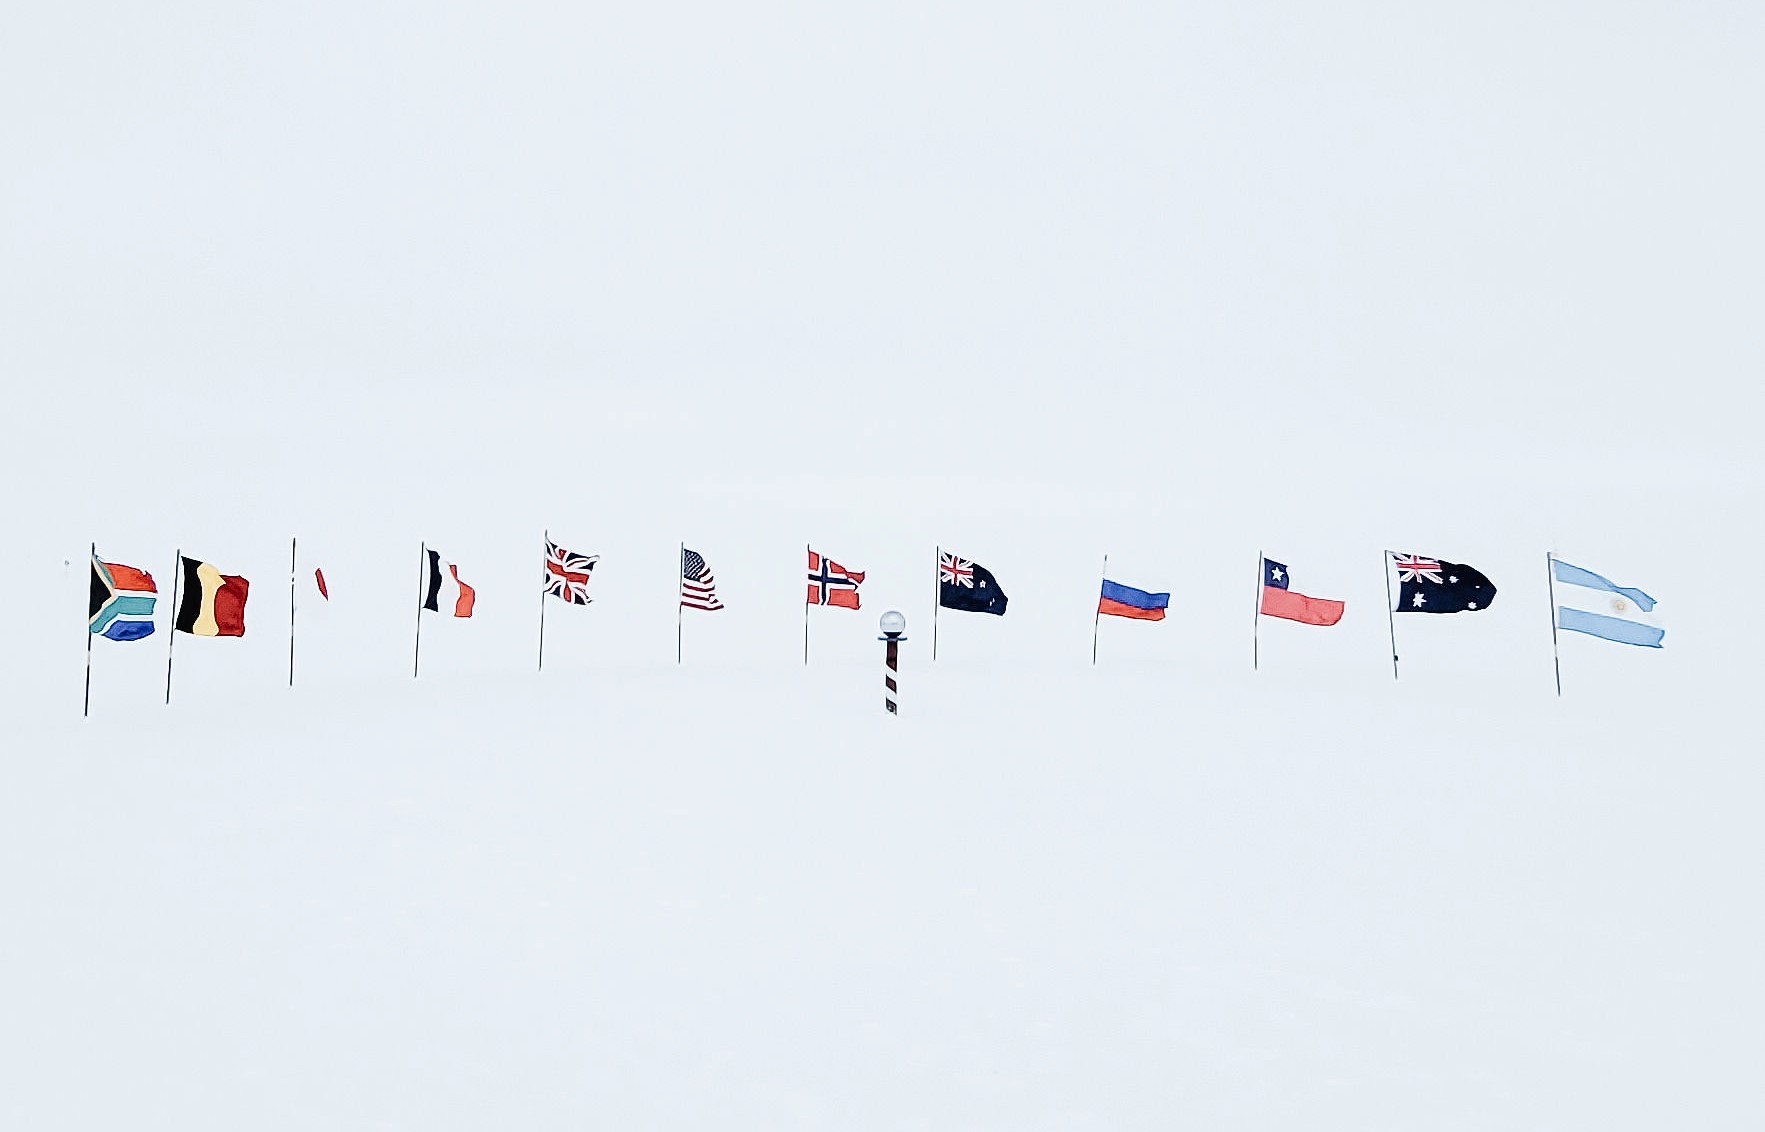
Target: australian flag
(1429, 585)
(964, 585)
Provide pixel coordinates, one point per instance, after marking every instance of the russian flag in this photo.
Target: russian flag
(1126, 601)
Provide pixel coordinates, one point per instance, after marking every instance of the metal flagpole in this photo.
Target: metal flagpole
(171, 638)
(1390, 616)
(87, 710)
(293, 546)
(679, 594)
(417, 652)
(1550, 574)
(806, 552)
(1097, 617)
(544, 558)
(937, 596)
(1262, 570)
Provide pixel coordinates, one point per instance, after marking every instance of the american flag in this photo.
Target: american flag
(698, 589)
(954, 571)
(566, 573)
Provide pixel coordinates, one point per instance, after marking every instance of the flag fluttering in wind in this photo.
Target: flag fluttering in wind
(698, 589)
(964, 585)
(567, 573)
(210, 603)
(832, 584)
(1432, 585)
(1118, 600)
(121, 607)
(1588, 603)
(1279, 600)
(443, 591)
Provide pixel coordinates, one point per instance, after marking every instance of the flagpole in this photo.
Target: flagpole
(937, 596)
(87, 710)
(171, 638)
(1262, 572)
(679, 592)
(1550, 575)
(417, 654)
(293, 548)
(545, 557)
(1390, 616)
(1097, 618)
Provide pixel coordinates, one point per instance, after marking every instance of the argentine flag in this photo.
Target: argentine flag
(1588, 603)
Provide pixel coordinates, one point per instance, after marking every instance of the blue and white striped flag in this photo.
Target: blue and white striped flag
(1588, 603)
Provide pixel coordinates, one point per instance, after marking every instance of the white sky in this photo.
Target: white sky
(1035, 282)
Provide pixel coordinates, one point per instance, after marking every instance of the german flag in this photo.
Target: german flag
(210, 603)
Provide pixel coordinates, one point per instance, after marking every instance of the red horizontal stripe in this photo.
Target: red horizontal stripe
(1122, 609)
(1298, 607)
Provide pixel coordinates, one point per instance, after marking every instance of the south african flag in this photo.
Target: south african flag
(122, 601)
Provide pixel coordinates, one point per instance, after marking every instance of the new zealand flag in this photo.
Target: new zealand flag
(1428, 585)
(964, 585)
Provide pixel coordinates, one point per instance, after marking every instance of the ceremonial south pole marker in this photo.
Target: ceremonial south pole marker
(894, 629)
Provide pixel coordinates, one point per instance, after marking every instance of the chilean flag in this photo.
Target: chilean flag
(1126, 601)
(1279, 601)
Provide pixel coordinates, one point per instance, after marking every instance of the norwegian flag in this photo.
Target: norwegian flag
(832, 584)
(567, 573)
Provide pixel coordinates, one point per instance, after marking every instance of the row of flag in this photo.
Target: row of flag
(211, 603)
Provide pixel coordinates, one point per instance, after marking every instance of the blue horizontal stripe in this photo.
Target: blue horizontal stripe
(1139, 599)
(129, 630)
(1576, 576)
(1610, 628)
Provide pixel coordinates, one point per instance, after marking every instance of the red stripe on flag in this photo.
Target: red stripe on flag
(1298, 607)
(468, 595)
(1113, 608)
(319, 578)
(229, 606)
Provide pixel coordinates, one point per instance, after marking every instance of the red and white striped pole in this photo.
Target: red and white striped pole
(894, 629)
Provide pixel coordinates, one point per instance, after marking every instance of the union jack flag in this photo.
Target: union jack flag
(566, 573)
(954, 571)
(1414, 568)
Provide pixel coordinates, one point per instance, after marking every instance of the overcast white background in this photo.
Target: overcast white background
(1178, 283)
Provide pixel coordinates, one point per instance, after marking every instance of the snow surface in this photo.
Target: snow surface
(1035, 283)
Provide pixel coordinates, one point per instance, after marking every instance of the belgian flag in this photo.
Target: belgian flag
(210, 603)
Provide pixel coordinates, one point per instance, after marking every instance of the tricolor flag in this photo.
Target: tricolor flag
(832, 584)
(567, 573)
(1588, 603)
(1278, 600)
(122, 599)
(210, 603)
(1126, 601)
(443, 592)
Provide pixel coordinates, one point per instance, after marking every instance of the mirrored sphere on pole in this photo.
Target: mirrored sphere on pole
(892, 624)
